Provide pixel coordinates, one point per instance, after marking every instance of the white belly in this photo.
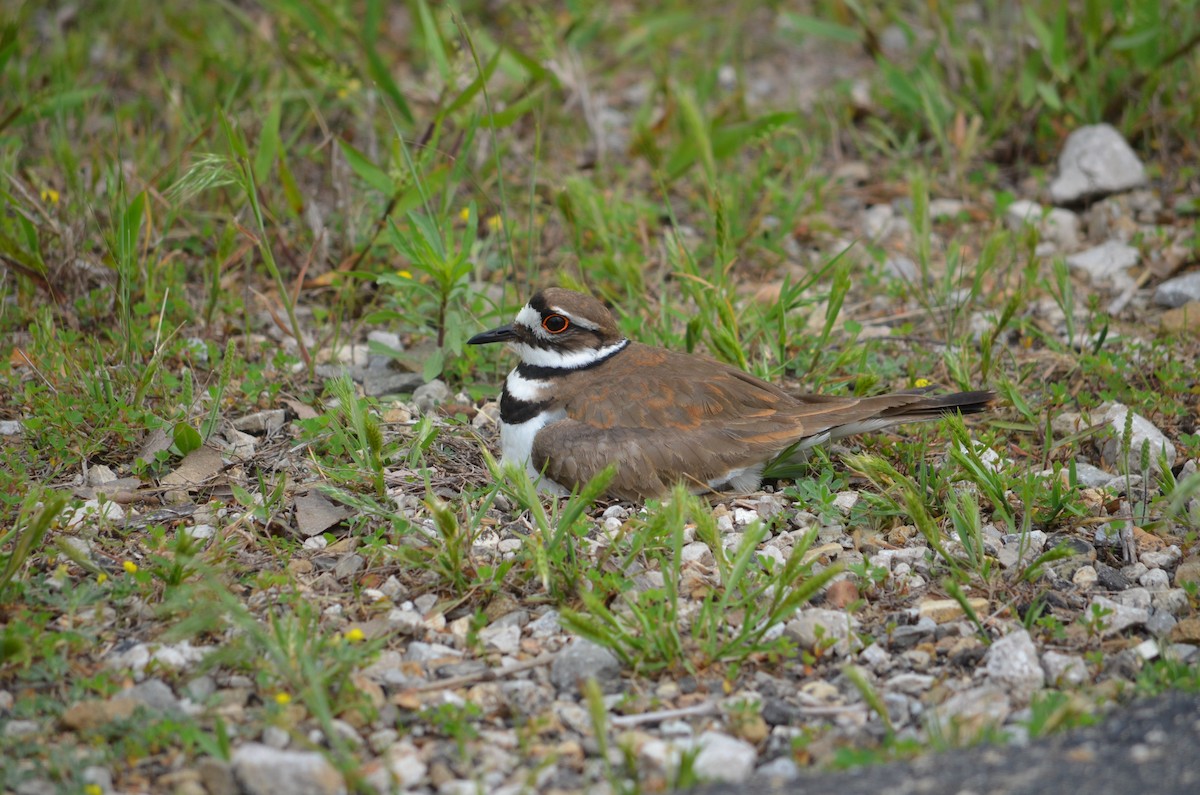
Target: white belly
(516, 446)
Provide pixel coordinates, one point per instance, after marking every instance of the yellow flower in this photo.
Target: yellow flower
(464, 214)
(921, 383)
(130, 567)
(495, 223)
(355, 635)
(101, 578)
(404, 274)
(93, 789)
(50, 196)
(283, 699)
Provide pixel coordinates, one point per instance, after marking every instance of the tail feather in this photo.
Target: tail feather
(831, 417)
(937, 405)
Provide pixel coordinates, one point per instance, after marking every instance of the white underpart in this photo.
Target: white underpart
(526, 390)
(516, 445)
(573, 360)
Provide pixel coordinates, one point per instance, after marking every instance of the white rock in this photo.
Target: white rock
(262, 770)
(846, 500)
(93, 510)
(1095, 161)
(1064, 669)
(1143, 431)
(1120, 617)
(404, 761)
(429, 396)
(1178, 291)
(1012, 662)
(506, 640)
(820, 627)
(1107, 264)
(724, 758)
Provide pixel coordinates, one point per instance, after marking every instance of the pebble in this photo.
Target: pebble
(905, 637)
(1179, 290)
(1188, 571)
(261, 422)
(1095, 161)
(1064, 669)
(970, 712)
(1059, 227)
(724, 758)
(428, 397)
(379, 383)
(1113, 415)
(1119, 616)
(262, 770)
(1012, 662)
(584, 660)
(817, 628)
(1107, 265)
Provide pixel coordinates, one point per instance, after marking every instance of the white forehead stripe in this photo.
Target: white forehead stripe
(587, 324)
(529, 318)
(558, 360)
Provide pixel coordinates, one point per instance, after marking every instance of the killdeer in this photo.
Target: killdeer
(584, 396)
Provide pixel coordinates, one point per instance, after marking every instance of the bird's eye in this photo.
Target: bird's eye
(555, 324)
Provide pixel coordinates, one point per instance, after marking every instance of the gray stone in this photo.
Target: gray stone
(1107, 264)
(968, 713)
(1012, 662)
(1095, 161)
(1178, 291)
(1092, 477)
(781, 769)
(1057, 226)
(821, 628)
(1119, 617)
(902, 268)
(21, 728)
(1064, 669)
(153, 693)
(1110, 579)
(505, 639)
(545, 626)
(908, 636)
(1173, 601)
(349, 565)
(377, 383)
(428, 397)
(724, 758)
(405, 763)
(584, 660)
(1161, 623)
(430, 652)
(1143, 431)
(262, 422)
(262, 770)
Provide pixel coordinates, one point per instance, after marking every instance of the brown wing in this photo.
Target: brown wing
(721, 419)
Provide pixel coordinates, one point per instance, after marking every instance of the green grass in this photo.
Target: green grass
(199, 221)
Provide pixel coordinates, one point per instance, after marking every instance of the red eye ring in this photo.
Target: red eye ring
(556, 324)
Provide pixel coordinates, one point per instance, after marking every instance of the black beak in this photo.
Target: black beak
(499, 334)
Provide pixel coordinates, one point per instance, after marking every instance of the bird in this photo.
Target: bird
(584, 396)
